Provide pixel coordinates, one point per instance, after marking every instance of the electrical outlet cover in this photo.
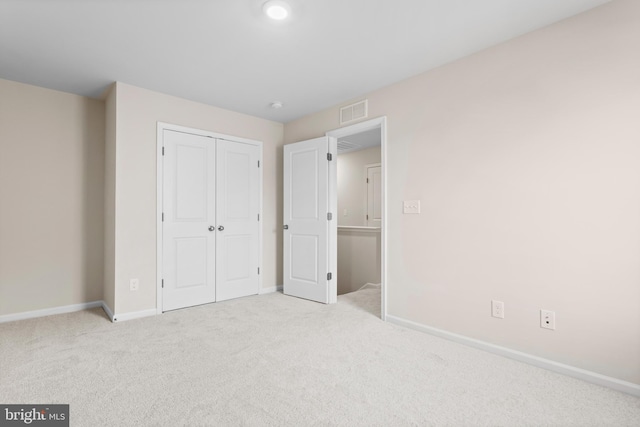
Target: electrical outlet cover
(548, 319)
(497, 309)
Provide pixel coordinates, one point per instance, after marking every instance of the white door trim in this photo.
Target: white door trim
(160, 128)
(377, 123)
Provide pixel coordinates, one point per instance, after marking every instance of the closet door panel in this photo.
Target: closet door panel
(188, 247)
(238, 208)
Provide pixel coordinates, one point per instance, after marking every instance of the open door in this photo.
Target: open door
(310, 223)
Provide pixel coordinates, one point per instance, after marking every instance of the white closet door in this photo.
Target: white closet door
(309, 237)
(189, 216)
(238, 207)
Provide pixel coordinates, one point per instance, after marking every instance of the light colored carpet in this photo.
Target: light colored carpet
(277, 360)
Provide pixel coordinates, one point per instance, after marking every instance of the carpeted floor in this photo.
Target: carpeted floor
(277, 360)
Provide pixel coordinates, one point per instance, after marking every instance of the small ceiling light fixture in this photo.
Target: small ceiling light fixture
(276, 105)
(276, 9)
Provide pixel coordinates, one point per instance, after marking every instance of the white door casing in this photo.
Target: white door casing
(374, 195)
(310, 236)
(238, 210)
(189, 211)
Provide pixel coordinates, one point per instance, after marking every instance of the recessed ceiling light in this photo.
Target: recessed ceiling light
(276, 9)
(276, 105)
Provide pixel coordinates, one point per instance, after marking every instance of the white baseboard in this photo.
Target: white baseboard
(94, 304)
(572, 371)
(49, 311)
(133, 315)
(77, 307)
(270, 290)
(107, 310)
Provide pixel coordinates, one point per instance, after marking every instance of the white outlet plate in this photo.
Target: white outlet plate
(411, 206)
(134, 284)
(497, 309)
(548, 319)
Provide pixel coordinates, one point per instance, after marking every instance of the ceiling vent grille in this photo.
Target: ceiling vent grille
(353, 112)
(344, 146)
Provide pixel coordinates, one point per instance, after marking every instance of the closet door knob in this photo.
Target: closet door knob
(221, 228)
(286, 227)
(212, 228)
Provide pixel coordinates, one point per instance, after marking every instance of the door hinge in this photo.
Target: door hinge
(367, 180)
(329, 156)
(163, 151)
(258, 217)
(162, 216)
(329, 216)
(163, 283)
(258, 270)
(329, 276)
(367, 217)
(258, 163)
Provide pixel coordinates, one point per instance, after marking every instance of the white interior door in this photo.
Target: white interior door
(189, 216)
(238, 226)
(310, 235)
(374, 196)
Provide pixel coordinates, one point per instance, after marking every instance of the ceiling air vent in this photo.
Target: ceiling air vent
(353, 112)
(344, 146)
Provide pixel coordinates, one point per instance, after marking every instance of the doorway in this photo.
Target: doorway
(362, 207)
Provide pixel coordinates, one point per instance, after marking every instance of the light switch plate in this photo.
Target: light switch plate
(411, 206)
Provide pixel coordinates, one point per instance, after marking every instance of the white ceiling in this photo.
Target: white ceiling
(226, 53)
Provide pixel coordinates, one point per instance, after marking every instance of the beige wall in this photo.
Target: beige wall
(526, 158)
(138, 111)
(51, 207)
(352, 186)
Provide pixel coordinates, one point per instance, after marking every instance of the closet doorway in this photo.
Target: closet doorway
(209, 228)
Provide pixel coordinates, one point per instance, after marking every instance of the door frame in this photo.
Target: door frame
(160, 128)
(377, 123)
